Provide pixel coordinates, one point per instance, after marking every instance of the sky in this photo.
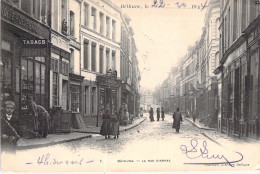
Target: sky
(163, 35)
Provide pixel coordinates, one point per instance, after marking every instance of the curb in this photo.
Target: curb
(126, 129)
(51, 143)
(133, 126)
(204, 128)
(211, 139)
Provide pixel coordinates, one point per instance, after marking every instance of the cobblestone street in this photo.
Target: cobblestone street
(154, 142)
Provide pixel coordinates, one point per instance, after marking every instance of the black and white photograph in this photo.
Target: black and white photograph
(130, 86)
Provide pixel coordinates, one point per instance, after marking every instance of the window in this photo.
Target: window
(55, 93)
(65, 68)
(235, 26)
(253, 10)
(101, 59)
(107, 26)
(93, 18)
(87, 99)
(44, 11)
(36, 9)
(86, 56)
(26, 6)
(86, 10)
(107, 60)
(72, 23)
(113, 60)
(72, 61)
(93, 101)
(93, 56)
(244, 15)
(101, 18)
(75, 98)
(113, 29)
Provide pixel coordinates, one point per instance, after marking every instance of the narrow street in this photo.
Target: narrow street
(150, 146)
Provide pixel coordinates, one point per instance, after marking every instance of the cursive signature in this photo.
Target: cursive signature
(195, 152)
(48, 160)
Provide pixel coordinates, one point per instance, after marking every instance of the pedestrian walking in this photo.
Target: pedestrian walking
(194, 116)
(177, 118)
(105, 127)
(32, 117)
(158, 114)
(115, 125)
(151, 114)
(9, 128)
(162, 112)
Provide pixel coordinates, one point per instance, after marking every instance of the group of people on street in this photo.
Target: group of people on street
(158, 114)
(37, 120)
(110, 124)
(177, 117)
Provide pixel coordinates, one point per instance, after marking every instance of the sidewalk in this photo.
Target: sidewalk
(217, 137)
(53, 139)
(95, 130)
(198, 124)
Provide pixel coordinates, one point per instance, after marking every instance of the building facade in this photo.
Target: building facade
(239, 67)
(25, 55)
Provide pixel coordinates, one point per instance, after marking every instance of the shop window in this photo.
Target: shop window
(101, 21)
(55, 82)
(93, 56)
(6, 75)
(75, 98)
(33, 72)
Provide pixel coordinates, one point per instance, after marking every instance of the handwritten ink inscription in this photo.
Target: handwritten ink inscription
(48, 160)
(193, 151)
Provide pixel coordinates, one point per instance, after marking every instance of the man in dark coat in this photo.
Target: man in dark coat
(43, 121)
(158, 113)
(106, 124)
(9, 127)
(151, 114)
(177, 120)
(162, 112)
(32, 115)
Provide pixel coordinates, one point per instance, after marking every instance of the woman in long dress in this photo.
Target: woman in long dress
(115, 125)
(105, 127)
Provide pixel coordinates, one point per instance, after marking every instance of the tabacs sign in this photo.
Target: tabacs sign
(34, 42)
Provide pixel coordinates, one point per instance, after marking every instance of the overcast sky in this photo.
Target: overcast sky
(163, 35)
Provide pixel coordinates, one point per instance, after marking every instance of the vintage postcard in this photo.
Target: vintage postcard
(130, 85)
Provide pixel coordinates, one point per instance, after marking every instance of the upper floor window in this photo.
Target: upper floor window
(72, 23)
(39, 9)
(101, 21)
(93, 18)
(113, 29)
(86, 11)
(107, 26)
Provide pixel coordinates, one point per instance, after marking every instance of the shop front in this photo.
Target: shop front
(109, 93)
(25, 51)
